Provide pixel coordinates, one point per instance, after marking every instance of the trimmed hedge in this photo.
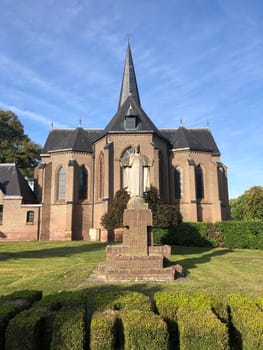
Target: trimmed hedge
(168, 304)
(144, 330)
(200, 329)
(228, 234)
(103, 330)
(123, 319)
(26, 331)
(247, 320)
(122, 300)
(68, 330)
(12, 304)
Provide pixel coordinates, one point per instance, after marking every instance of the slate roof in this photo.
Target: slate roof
(79, 140)
(12, 183)
(129, 84)
(193, 139)
(117, 124)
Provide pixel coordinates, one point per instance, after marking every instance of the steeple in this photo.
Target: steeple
(129, 85)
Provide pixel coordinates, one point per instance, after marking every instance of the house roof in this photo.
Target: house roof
(78, 139)
(144, 123)
(12, 183)
(193, 139)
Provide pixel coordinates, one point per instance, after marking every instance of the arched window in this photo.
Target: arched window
(101, 176)
(199, 182)
(83, 183)
(178, 183)
(61, 184)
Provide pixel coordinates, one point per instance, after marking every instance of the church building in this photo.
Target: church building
(81, 169)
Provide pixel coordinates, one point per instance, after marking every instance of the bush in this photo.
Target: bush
(200, 329)
(144, 331)
(103, 332)
(64, 299)
(247, 320)
(164, 215)
(228, 234)
(241, 234)
(114, 217)
(168, 304)
(122, 301)
(26, 331)
(68, 330)
(12, 304)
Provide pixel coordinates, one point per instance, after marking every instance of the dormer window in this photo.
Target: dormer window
(131, 119)
(130, 122)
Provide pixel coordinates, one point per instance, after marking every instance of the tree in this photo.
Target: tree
(248, 206)
(164, 215)
(15, 146)
(114, 216)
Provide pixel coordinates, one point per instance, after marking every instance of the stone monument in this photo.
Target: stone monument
(137, 259)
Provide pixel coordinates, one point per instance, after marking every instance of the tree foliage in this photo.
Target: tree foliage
(164, 215)
(15, 146)
(114, 216)
(248, 206)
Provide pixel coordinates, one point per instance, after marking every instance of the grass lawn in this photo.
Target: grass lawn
(56, 266)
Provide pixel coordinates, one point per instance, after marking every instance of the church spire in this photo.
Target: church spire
(129, 84)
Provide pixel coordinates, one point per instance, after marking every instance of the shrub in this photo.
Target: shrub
(26, 331)
(144, 330)
(68, 330)
(64, 299)
(114, 217)
(229, 234)
(200, 329)
(168, 304)
(164, 215)
(124, 300)
(103, 331)
(241, 234)
(259, 302)
(198, 234)
(12, 304)
(247, 321)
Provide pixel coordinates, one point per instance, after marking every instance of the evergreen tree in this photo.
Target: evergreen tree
(15, 146)
(114, 217)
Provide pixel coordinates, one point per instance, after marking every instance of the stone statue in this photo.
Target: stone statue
(136, 169)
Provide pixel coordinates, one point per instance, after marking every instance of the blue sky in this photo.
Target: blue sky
(199, 60)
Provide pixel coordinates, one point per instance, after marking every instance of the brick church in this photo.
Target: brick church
(81, 170)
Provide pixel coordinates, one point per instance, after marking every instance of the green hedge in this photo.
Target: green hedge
(122, 300)
(26, 331)
(103, 330)
(229, 234)
(12, 304)
(247, 321)
(200, 329)
(168, 304)
(144, 330)
(241, 234)
(125, 319)
(68, 330)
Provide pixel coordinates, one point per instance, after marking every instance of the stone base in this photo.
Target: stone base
(108, 273)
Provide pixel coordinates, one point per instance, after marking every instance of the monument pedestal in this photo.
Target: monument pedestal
(137, 259)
